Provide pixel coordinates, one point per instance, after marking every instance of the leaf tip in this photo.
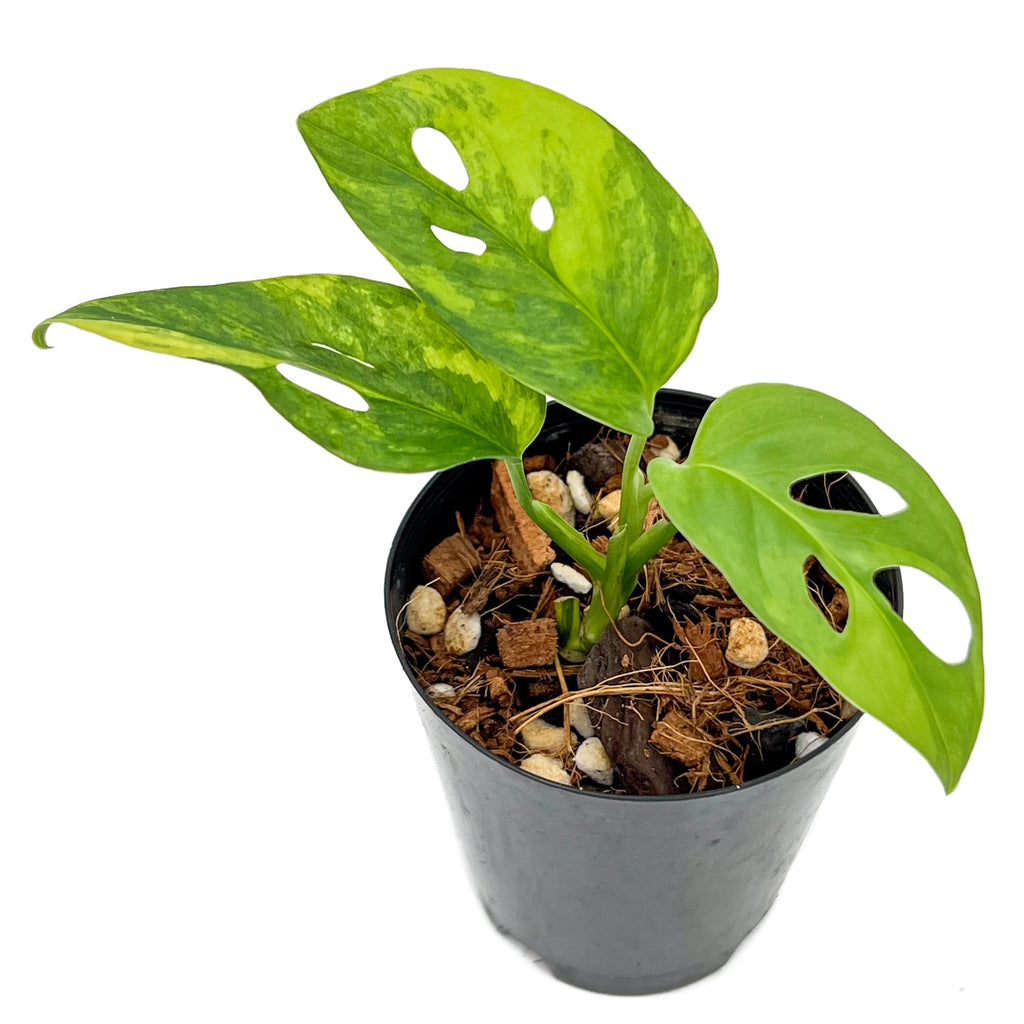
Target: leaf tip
(308, 121)
(39, 335)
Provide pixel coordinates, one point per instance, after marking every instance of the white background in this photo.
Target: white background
(215, 801)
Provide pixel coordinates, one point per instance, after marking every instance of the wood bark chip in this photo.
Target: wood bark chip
(479, 591)
(471, 719)
(451, 563)
(528, 543)
(625, 724)
(525, 644)
(484, 530)
(676, 736)
(706, 658)
(536, 463)
(499, 689)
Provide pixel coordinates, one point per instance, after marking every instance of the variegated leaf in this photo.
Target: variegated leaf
(599, 309)
(433, 402)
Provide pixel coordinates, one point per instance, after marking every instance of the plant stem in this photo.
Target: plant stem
(648, 545)
(629, 548)
(568, 539)
(617, 583)
(631, 510)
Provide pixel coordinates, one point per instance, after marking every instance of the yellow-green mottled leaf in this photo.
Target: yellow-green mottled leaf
(433, 402)
(598, 310)
(732, 500)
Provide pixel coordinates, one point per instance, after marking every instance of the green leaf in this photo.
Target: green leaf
(433, 403)
(731, 499)
(599, 310)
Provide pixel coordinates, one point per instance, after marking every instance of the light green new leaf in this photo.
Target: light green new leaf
(598, 310)
(433, 402)
(731, 499)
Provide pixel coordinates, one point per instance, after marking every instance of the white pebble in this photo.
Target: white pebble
(593, 760)
(579, 719)
(462, 632)
(807, 741)
(551, 489)
(608, 508)
(581, 497)
(542, 736)
(440, 691)
(670, 451)
(546, 768)
(425, 613)
(748, 645)
(572, 578)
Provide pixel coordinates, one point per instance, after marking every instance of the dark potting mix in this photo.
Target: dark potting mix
(685, 692)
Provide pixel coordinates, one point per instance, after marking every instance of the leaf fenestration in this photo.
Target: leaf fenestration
(597, 309)
(433, 402)
(731, 499)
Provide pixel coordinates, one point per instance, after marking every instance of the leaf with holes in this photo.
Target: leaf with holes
(732, 500)
(593, 295)
(432, 401)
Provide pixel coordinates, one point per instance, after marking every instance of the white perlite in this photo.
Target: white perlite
(551, 489)
(593, 760)
(807, 741)
(670, 451)
(440, 691)
(462, 632)
(425, 613)
(542, 736)
(546, 768)
(748, 645)
(572, 578)
(579, 719)
(581, 497)
(608, 508)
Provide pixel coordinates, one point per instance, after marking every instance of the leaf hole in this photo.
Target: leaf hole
(347, 355)
(838, 490)
(333, 390)
(541, 214)
(935, 614)
(438, 156)
(826, 594)
(459, 243)
(885, 498)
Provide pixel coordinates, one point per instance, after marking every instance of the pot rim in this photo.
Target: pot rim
(571, 791)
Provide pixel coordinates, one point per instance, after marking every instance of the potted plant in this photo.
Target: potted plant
(560, 263)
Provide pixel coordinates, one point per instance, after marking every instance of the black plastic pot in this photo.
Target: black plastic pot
(620, 894)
